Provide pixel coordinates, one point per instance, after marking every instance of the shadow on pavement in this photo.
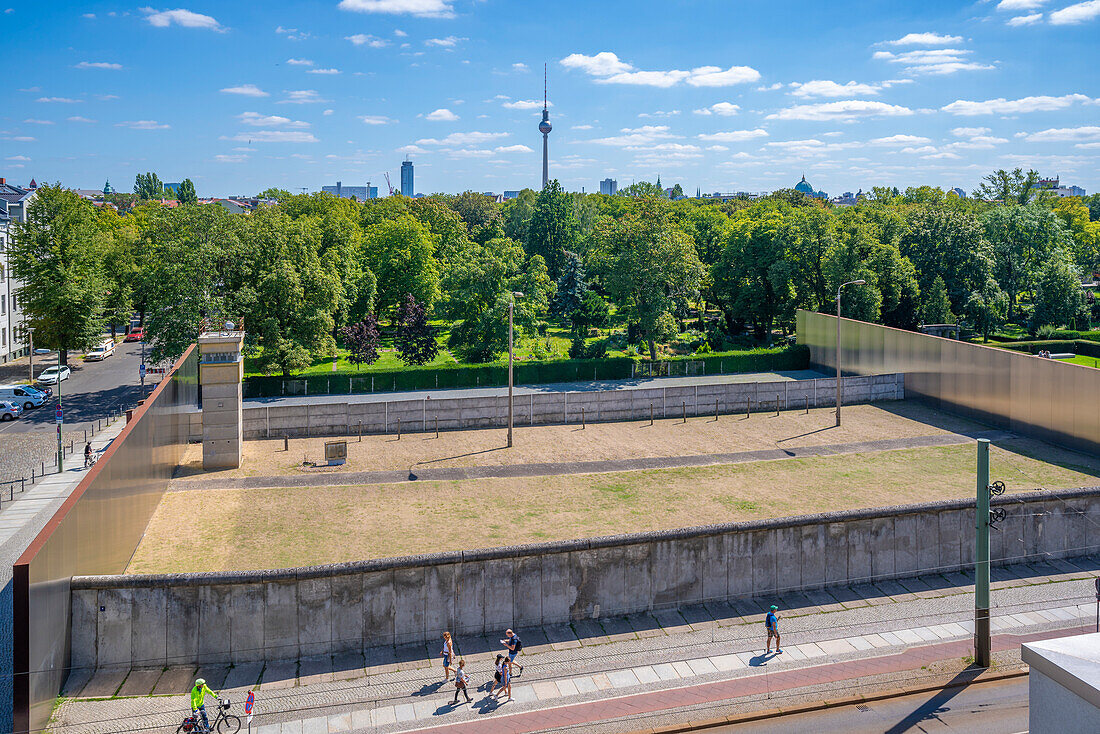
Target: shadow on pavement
(932, 708)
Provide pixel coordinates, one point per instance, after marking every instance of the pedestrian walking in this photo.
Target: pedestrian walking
(460, 682)
(448, 654)
(498, 676)
(506, 680)
(771, 624)
(514, 644)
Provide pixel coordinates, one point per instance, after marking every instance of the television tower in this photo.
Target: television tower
(545, 127)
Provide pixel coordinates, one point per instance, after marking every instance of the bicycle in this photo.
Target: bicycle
(224, 723)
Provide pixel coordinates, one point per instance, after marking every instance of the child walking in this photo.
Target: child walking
(460, 682)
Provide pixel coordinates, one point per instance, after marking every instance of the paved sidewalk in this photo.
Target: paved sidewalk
(581, 467)
(596, 660)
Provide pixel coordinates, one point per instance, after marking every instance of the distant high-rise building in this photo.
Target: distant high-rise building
(609, 186)
(545, 127)
(360, 193)
(407, 187)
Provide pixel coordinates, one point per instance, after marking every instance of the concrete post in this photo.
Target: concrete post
(981, 560)
(221, 370)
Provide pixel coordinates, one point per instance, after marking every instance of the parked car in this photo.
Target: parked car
(100, 353)
(8, 411)
(55, 374)
(23, 395)
(46, 392)
(135, 336)
(42, 350)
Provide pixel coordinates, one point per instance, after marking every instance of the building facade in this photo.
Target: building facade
(1054, 186)
(609, 187)
(360, 193)
(13, 209)
(407, 187)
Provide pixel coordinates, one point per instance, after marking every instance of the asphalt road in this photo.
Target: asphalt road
(94, 389)
(984, 708)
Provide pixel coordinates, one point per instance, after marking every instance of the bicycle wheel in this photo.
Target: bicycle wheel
(229, 725)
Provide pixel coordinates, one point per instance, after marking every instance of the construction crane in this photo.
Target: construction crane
(388, 184)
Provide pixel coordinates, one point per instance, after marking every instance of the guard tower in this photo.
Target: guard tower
(221, 371)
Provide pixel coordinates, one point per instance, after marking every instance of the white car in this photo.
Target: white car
(54, 375)
(100, 353)
(23, 395)
(8, 411)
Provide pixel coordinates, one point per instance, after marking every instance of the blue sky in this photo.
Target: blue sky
(719, 94)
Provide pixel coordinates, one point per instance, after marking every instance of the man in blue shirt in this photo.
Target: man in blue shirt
(771, 623)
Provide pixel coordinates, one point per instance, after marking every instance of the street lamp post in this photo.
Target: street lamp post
(30, 352)
(511, 357)
(839, 384)
(60, 418)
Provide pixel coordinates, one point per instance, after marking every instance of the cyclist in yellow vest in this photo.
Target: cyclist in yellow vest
(198, 699)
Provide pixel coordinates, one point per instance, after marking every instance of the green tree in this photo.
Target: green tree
(986, 308)
(1022, 239)
(480, 214)
(56, 253)
(936, 308)
(949, 244)
(1059, 299)
(571, 287)
(677, 192)
(643, 189)
(651, 263)
(273, 193)
(416, 338)
(148, 186)
(553, 229)
(1009, 187)
(186, 193)
(401, 254)
(595, 312)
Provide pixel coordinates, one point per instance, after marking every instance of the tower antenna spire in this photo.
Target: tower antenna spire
(544, 95)
(545, 127)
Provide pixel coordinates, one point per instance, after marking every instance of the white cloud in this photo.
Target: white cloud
(659, 113)
(1076, 13)
(326, 113)
(513, 149)
(32, 121)
(255, 119)
(376, 119)
(1002, 106)
(448, 42)
(223, 158)
(643, 135)
(299, 62)
(977, 142)
(329, 72)
(21, 139)
(607, 68)
(849, 109)
(143, 125)
(473, 138)
(421, 8)
(1012, 5)
(1022, 20)
(106, 97)
(181, 17)
(968, 132)
(247, 90)
(826, 88)
(78, 118)
(924, 39)
(61, 100)
(938, 61)
(733, 136)
(98, 65)
(89, 16)
(770, 87)
(581, 127)
(519, 66)
(441, 115)
(273, 136)
(1065, 135)
(17, 158)
(399, 33)
(526, 104)
(293, 34)
(301, 96)
(900, 140)
(412, 150)
(364, 39)
(722, 109)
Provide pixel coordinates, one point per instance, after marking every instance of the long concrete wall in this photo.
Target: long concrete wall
(333, 416)
(292, 613)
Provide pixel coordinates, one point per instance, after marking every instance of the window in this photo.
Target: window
(3, 337)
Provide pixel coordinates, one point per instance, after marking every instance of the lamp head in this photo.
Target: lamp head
(858, 282)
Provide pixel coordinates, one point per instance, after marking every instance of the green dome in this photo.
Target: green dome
(804, 187)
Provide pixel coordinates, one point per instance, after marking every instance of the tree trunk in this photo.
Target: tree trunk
(64, 355)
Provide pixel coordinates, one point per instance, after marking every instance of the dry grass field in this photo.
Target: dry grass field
(275, 528)
(632, 439)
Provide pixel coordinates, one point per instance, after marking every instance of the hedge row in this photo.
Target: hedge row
(525, 373)
(1084, 347)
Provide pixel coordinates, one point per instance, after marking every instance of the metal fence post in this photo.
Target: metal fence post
(582, 419)
(684, 408)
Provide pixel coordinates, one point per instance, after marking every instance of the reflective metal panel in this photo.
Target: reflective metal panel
(96, 531)
(1042, 398)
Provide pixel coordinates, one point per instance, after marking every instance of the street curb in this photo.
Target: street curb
(829, 703)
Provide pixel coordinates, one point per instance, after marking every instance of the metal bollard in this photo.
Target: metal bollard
(361, 429)
(582, 419)
(651, 414)
(807, 405)
(22, 484)
(716, 410)
(776, 406)
(437, 422)
(748, 407)
(32, 475)
(398, 429)
(286, 442)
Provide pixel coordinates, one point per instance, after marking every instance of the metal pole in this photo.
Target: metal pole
(716, 409)
(30, 334)
(143, 367)
(398, 429)
(651, 414)
(684, 407)
(60, 423)
(981, 560)
(839, 388)
(511, 356)
(437, 426)
(582, 419)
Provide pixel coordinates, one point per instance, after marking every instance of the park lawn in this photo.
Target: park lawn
(278, 528)
(1081, 359)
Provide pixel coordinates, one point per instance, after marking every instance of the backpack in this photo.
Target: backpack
(518, 642)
